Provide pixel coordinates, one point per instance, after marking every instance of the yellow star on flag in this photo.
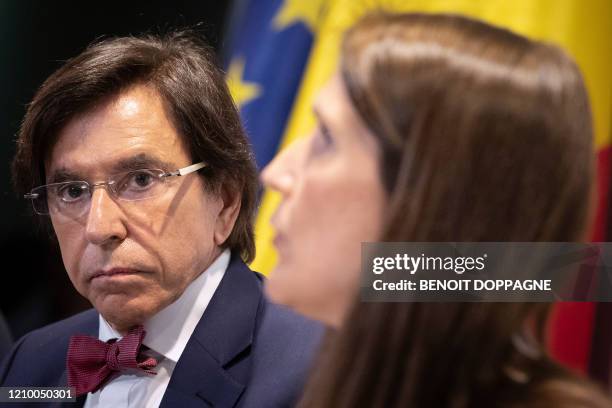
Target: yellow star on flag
(293, 11)
(243, 92)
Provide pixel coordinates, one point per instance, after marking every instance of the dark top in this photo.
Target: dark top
(6, 340)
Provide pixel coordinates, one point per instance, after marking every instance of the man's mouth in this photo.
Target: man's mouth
(114, 272)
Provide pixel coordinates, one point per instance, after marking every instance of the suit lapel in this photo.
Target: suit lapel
(203, 375)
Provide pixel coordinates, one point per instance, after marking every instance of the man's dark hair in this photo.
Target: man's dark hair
(182, 69)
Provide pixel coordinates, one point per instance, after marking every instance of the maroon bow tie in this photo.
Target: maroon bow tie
(91, 362)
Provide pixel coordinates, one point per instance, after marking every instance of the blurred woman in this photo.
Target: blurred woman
(435, 128)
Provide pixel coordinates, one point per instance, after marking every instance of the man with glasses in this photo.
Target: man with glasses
(134, 155)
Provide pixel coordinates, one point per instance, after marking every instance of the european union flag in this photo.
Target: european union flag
(270, 41)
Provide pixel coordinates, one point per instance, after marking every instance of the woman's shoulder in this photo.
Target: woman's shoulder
(560, 388)
(571, 391)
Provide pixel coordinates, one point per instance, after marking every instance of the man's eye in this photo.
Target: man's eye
(139, 180)
(71, 192)
(142, 179)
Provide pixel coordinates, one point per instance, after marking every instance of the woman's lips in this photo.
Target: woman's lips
(279, 242)
(278, 233)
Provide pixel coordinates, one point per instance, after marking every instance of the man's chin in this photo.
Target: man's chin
(123, 310)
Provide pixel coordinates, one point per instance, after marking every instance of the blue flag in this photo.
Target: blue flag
(270, 41)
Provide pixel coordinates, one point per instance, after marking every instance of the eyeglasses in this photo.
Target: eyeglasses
(72, 198)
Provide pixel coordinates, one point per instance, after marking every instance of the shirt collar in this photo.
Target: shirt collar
(170, 329)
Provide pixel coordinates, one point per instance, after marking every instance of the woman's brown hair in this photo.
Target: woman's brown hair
(484, 135)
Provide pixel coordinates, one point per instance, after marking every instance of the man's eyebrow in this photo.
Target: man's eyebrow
(142, 161)
(60, 175)
(138, 162)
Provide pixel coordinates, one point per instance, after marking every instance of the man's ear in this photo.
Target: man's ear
(230, 207)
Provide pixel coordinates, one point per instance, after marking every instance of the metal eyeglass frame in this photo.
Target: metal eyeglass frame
(177, 173)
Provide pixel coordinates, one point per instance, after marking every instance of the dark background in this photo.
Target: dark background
(36, 37)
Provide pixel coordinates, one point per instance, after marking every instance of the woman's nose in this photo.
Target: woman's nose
(281, 173)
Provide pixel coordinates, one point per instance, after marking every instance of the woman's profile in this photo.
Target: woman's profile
(436, 128)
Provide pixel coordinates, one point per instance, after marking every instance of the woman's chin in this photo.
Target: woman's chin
(275, 290)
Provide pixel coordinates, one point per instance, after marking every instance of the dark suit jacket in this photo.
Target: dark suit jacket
(6, 341)
(244, 352)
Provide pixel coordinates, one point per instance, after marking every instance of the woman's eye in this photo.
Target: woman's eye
(325, 135)
(322, 141)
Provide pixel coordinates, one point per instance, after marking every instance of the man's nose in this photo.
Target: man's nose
(106, 219)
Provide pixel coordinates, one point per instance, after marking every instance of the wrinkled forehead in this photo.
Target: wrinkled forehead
(131, 129)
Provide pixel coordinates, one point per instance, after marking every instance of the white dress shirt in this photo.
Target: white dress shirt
(167, 335)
